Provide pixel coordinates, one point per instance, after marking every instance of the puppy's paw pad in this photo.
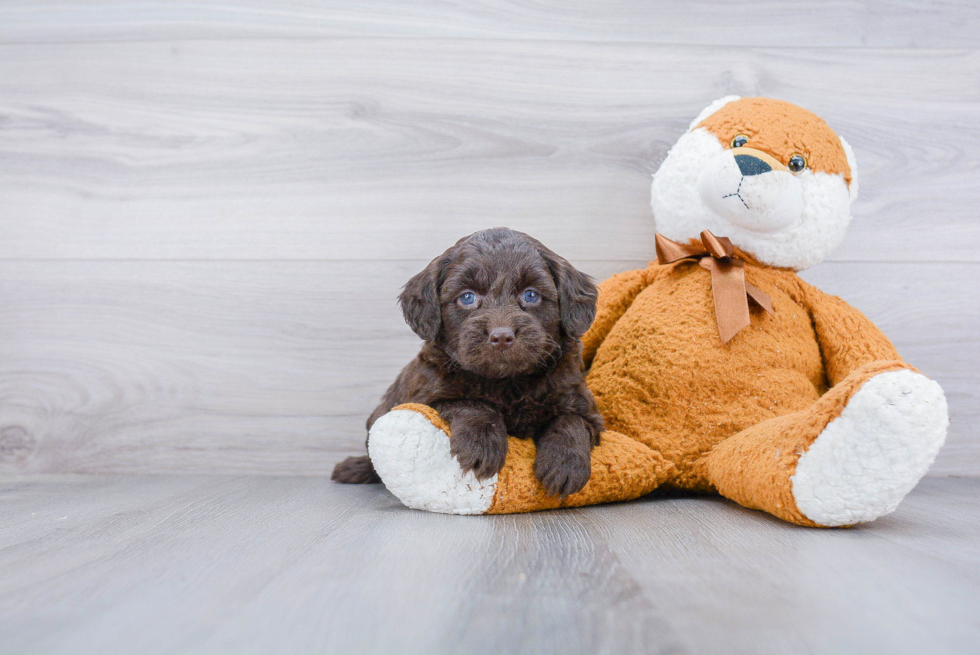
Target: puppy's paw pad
(413, 459)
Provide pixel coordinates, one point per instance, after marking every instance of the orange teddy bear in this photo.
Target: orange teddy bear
(717, 368)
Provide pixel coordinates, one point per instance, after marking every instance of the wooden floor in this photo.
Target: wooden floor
(186, 564)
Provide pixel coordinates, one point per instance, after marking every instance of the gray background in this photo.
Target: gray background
(207, 209)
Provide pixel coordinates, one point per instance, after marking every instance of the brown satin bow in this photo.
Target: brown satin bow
(728, 286)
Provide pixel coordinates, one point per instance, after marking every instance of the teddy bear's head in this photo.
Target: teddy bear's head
(771, 176)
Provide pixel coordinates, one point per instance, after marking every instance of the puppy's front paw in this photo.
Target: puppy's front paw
(562, 470)
(481, 448)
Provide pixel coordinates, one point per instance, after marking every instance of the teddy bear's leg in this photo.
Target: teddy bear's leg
(849, 458)
(409, 447)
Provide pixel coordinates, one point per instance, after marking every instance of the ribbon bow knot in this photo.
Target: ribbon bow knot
(728, 286)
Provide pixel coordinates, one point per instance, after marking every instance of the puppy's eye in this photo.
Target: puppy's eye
(740, 141)
(531, 296)
(467, 298)
(796, 163)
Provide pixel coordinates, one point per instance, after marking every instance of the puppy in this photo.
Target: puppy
(501, 317)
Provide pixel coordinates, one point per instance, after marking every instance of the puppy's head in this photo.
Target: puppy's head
(499, 303)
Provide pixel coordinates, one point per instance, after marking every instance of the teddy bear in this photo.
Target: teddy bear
(716, 368)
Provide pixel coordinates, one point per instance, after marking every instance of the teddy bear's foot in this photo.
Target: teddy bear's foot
(849, 458)
(410, 451)
(867, 459)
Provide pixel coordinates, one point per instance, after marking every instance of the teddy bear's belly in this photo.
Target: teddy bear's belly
(662, 375)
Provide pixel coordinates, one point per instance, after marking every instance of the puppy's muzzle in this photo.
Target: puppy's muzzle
(501, 338)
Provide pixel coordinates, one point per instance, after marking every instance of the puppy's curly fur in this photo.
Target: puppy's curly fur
(501, 316)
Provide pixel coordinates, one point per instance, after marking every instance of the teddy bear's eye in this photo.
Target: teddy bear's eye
(740, 141)
(796, 163)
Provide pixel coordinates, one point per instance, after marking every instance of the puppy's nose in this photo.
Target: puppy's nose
(750, 165)
(501, 338)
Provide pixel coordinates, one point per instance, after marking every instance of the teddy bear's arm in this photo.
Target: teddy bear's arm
(848, 339)
(616, 294)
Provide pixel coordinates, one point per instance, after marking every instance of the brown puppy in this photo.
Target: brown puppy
(501, 316)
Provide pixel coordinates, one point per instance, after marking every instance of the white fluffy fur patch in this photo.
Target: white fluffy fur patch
(681, 214)
(867, 459)
(852, 164)
(412, 457)
(761, 203)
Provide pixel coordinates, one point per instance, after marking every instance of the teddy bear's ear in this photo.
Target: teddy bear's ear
(712, 108)
(852, 189)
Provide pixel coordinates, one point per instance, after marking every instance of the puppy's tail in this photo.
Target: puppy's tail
(355, 470)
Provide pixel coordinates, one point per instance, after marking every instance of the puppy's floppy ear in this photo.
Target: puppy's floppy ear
(419, 299)
(577, 295)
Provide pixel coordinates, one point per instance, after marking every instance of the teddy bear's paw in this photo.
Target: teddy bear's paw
(868, 458)
(412, 457)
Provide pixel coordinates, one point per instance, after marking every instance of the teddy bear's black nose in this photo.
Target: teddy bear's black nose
(750, 165)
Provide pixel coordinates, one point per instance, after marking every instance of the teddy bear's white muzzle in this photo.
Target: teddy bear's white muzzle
(750, 194)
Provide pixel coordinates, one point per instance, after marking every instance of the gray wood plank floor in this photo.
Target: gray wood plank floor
(187, 564)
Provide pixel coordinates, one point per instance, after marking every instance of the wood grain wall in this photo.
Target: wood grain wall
(207, 209)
